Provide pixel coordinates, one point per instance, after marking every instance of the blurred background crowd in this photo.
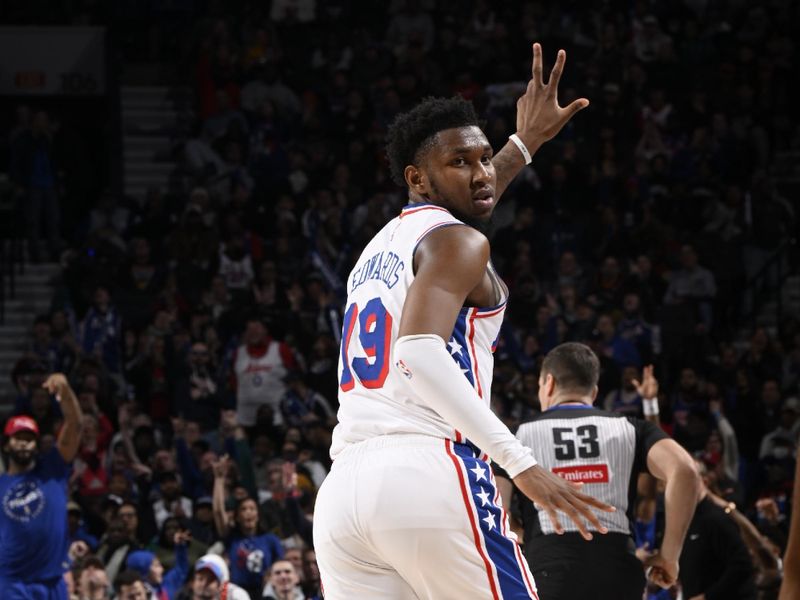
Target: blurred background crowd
(199, 320)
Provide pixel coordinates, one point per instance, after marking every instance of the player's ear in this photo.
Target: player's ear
(549, 384)
(416, 180)
(594, 393)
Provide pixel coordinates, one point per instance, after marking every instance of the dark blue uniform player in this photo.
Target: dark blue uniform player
(33, 498)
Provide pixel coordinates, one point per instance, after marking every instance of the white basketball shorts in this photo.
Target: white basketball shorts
(413, 516)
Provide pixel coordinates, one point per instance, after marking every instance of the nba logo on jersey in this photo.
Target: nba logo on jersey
(404, 369)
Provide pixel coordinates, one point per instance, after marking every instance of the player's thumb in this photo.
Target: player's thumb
(576, 106)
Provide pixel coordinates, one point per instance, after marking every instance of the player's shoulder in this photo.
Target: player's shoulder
(572, 412)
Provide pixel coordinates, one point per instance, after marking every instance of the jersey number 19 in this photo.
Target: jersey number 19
(375, 337)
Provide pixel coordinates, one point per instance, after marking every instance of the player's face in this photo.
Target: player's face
(22, 448)
(459, 173)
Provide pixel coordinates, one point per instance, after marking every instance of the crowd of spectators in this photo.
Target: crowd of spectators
(200, 325)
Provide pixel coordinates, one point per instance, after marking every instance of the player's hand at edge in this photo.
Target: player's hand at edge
(661, 571)
(553, 493)
(539, 116)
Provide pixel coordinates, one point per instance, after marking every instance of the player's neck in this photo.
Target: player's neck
(16, 469)
(574, 402)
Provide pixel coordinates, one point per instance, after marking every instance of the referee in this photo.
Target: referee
(606, 452)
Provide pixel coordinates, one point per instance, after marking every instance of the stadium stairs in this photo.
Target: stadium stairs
(155, 121)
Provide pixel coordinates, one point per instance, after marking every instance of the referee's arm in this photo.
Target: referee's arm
(669, 462)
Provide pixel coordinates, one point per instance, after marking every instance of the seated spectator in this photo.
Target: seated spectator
(89, 471)
(625, 399)
(166, 550)
(76, 528)
(129, 513)
(172, 502)
(301, 405)
(201, 525)
(311, 581)
(93, 582)
(634, 328)
(614, 346)
(785, 436)
(51, 351)
(211, 579)
(115, 546)
(129, 585)
(283, 582)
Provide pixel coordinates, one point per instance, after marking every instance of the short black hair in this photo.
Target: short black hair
(574, 366)
(412, 131)
(127, 577)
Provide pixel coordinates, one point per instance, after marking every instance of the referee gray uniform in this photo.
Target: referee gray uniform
(606, 451)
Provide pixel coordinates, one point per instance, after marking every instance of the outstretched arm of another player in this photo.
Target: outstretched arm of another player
(790, 588)
(451, 263)
(669, 462)
(69, 439)
(539, 118)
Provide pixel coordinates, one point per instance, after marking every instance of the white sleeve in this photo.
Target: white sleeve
(435, 379)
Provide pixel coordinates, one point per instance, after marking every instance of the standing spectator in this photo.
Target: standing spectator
(196, 389)
(259, 367)
(35, 172)
(250, 552)
(694, 285)
(101, 331)
(33, 522)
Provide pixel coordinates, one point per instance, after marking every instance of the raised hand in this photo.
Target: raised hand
(539, 116)
(182, 536)
(57, 385)
(648, 388)
(221, 466)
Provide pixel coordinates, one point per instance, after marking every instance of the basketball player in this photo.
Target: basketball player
(33, 494)
(410, 508)
(607, 451)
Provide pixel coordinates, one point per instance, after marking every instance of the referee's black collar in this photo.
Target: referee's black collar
(565, 406)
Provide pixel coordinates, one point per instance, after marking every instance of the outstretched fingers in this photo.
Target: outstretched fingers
(555, 73)
(537, 65)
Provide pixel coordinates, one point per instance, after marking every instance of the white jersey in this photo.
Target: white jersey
(374, 401)
(259, 380)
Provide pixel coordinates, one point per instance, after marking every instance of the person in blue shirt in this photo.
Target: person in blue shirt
(33, 496)
(164, 586)
(250, 551)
